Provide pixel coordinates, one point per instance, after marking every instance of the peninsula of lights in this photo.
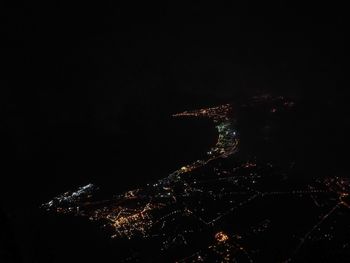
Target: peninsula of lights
(225, 205)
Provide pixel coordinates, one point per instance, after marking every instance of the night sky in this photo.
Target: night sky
(87, 90)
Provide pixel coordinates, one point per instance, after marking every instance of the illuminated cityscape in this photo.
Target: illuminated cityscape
(220, 208)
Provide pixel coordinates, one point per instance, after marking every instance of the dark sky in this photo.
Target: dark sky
(84, 84)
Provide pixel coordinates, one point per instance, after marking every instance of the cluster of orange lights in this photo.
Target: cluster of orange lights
(219, 113)
(221, 236)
